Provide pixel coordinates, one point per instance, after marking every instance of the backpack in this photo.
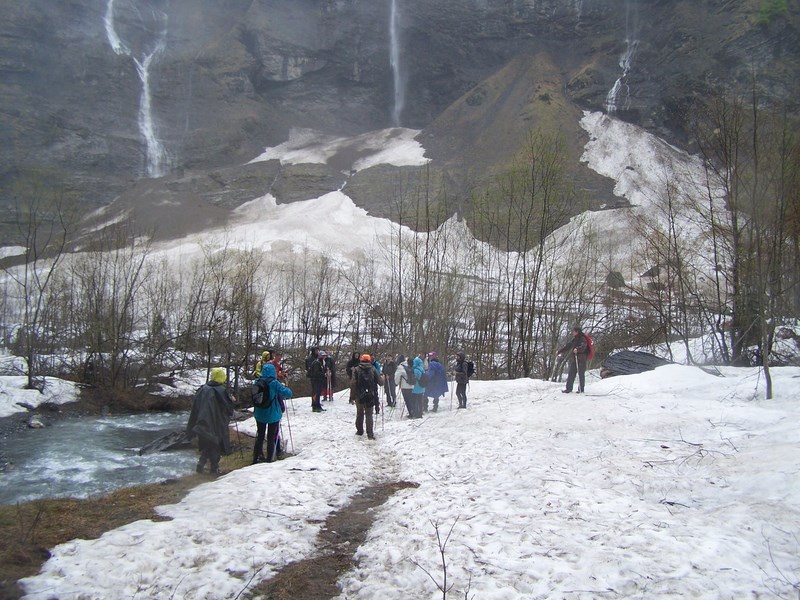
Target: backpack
(365, 381)
(411, 377)
(469, 367)
(589, 346)
(259, 393)
(424, 379)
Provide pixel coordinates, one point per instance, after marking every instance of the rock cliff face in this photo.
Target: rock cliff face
(99, 94)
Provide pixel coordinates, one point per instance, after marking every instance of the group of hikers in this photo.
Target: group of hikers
(422, 379)
(419, 378)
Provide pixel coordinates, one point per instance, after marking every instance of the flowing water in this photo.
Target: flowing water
(88, 456)
(154, 23)
(613, 99)
(394, 61)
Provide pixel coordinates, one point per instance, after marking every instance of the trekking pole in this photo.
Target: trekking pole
(452, 389)
(289, 423)
(238, 439)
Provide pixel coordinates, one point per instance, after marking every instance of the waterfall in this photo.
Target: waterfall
(625, 60)
(156, 153)
(394, 61)
(113, 39)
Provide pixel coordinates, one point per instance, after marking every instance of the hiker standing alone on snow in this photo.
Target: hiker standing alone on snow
(212, 410)
(578, 347)
(268, 418)
(366, 380)
(437, 386)
(461, 374)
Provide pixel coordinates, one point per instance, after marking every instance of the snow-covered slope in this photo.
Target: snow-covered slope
(669, 484)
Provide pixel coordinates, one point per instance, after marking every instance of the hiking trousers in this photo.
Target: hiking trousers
(461, 394)
(364, 413)
(576, 369)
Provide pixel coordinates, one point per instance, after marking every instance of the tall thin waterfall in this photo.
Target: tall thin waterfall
(394, 61)
(625, 60)
(157, 157)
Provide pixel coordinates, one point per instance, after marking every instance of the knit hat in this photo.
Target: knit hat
(218, 375)
(366, 358)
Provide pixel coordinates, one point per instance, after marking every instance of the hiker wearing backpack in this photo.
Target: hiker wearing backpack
(461, 374)
(268, 414)
(437, 386)
(366, 385)
(577, 351)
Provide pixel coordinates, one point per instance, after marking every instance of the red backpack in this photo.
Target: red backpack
(589, 346)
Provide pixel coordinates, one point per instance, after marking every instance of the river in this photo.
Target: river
(89, 456)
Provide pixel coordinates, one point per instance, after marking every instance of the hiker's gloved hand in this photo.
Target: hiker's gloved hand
(377, 410)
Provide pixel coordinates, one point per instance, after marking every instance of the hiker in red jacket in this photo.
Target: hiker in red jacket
(578, 350)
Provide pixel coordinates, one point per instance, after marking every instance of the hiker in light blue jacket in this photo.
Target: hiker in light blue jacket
(418, 392)
(268, 418)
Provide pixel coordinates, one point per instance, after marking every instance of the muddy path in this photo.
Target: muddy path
(343, 532)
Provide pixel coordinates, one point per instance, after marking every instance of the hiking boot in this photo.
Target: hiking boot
(370, 437)
(566, 391)
(199, 468)
(317, 409)
(359, 433)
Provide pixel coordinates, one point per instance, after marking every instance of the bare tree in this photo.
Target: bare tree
(44, 224)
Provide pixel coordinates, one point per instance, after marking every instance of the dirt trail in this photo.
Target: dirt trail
(315, 578)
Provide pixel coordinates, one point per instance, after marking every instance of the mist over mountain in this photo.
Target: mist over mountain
(154, 99)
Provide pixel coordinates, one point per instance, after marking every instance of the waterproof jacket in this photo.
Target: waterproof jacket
(212, 410)
(578, 342)
(316, 371)
(419, 369)
(460, 371)
(389, 369)
(402, 379)
(277, 391)
(352, 364)
(331, 366)
(437, 386)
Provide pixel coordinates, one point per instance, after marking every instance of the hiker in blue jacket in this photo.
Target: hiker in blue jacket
(268, 418)
(418, 393)
(437, 386)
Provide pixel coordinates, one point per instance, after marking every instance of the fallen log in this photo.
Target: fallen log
(171, 441)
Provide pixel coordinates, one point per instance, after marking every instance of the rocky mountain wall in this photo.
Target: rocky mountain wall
(99, 94)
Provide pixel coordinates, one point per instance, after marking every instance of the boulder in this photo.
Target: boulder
(629, 362)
